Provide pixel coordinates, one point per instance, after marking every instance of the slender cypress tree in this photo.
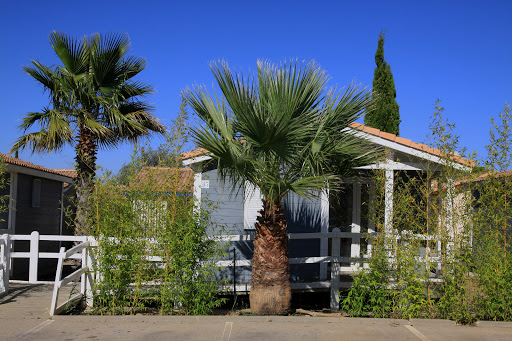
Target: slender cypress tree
(385, 115)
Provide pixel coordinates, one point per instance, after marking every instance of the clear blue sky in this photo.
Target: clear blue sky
(458, 51)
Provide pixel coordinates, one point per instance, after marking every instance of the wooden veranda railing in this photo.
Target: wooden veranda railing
(338, 264)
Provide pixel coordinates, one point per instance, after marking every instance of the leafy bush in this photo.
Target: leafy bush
(448, 253)
(155, 243)
(4, 187)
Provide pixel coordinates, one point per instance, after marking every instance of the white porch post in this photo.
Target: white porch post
(371, 217)
(388, 214)
(355, 246)
(388, 201)
(197, 186)
(335, 271)
(324, 226)
(449, 225)
(34, 257)
(5, 252)
(89, 281)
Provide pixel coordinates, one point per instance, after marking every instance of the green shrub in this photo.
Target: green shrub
(155, 242)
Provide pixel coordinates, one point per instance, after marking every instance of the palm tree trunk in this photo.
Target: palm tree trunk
(270, 284)
(86, 169)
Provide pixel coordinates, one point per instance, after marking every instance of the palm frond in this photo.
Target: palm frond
(129, 124)
(312, 186)
(88, 121)
(71, 51)
(106, 54)
(43, 74)
(30, 119)
(47, 118)
(295, 133)
(213, 113)
(129, 90)
(130, 67)
(41, 142)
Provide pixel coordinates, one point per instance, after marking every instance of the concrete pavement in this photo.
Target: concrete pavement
(126, 328)
(24, 316)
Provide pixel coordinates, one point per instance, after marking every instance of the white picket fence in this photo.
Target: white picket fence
(5, 261)
(85, 273)
(80, 251)
(84, 251)
(335, 260)
(33, 254)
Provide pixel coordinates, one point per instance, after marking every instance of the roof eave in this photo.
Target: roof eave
(196, 159)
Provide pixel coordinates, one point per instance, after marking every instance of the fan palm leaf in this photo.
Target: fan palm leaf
(282, 131)
(95, 103)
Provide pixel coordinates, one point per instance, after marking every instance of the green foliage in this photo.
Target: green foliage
(156, 251)
(493, 226)
(291, 127)
(4, 185)
(464, 218)
(166, 155)
(385, 114)
(133, 224)
(146, 156)
(428, 239)
(395, 281)
(369, 295)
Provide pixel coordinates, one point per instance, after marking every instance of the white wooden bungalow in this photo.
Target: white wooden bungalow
(37, 196)
(346, 210)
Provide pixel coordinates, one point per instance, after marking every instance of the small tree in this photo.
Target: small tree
(492, 225)
(385, 115)
(95, 103)
(165, 155)
(4, 190)
(155, 216)
(282, 132)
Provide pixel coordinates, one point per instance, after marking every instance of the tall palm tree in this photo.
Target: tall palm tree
(94, 103)
(281, 131)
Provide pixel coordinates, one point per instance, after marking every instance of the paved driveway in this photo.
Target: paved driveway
(224, 328)
(24, 316)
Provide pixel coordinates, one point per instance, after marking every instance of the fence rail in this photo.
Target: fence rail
(4, 263)
(83, 251)
(33, 254)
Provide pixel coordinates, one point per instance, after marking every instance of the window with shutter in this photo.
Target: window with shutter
(252, 205)
(36, 192)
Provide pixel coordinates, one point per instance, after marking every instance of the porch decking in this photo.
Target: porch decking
(26, 300)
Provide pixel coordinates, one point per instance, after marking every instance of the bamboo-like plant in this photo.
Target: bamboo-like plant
(493, 225)
(4, 193)
(155, 217)
(429, 241)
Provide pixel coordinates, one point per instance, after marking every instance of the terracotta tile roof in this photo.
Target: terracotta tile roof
(475, 178)
(194, 153)
(503, 174)
(18, 162)
(371, 131)
(166, 177)
(407, 142)
(67, 172)
(485, 175)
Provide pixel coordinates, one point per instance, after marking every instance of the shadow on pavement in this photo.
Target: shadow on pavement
(23, 291)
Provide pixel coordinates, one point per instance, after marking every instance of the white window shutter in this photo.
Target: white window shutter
(36, 192)
(252, 205)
